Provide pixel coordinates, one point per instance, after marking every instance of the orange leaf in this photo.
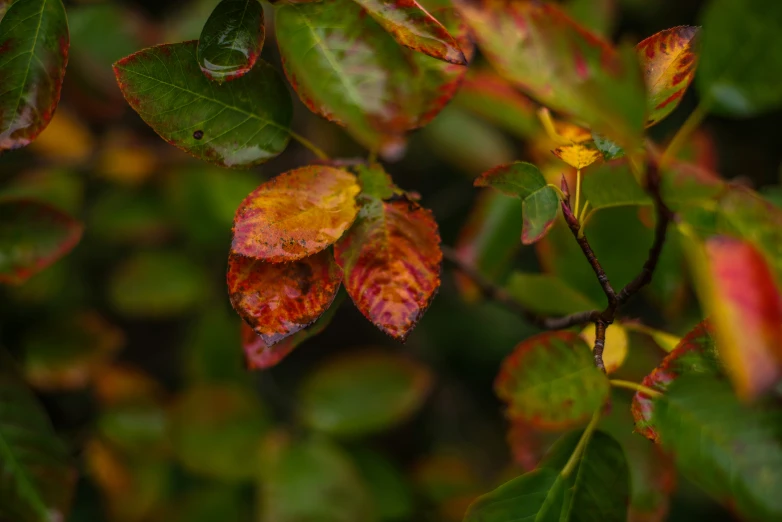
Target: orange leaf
(279, 300)
(578, 155)
(296, 214)
(391, 259)
(669, 61)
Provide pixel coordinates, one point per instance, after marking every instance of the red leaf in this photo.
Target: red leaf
(391, 259)
(280, 300)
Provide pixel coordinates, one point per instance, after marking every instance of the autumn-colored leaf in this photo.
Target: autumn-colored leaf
(539, 202)
(413, 27)
(578, 155)
(296, 214)
(231, 39)
(551, 381)
(33, 54)
(239, 124)
(33, 236)
(66, 139)
(669, 60)
(278, 300)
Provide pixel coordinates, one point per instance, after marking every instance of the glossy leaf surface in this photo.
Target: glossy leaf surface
(239, 124)
(391, 259)
(538, 495)
(33, 54)
(608, 186)
(669, 59)
(539, 201)
(551, 381)
(278, 300)
(547, 294)
(296, 214)
(359, 393)
(231, 39)
(36, 477)
(32, 237)
(411, 26)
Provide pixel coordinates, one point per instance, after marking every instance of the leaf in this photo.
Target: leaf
(217, 429)
(312, 479)
(157, 284)
(391, 259)
(296, 214)
(737, 289)
(239, 124)
(668, 59)
(119, 215)
(488, 240)
(359, 393)
(730, 451)
(551, 381)
(560, 64)
(36, 476)
(696, 353)
(62, 189)
(209, 352)
(607, 148)
(412, 27)
(616, 342)
(67, 354)
(33, 236)
(613, 186)
(33, 56)
(547, 294)
(391, 494)
(664, 340)
(740, 41)
(231, 40)
(539, 202)
(66, 140)
(280, 300)
(539, 495)
(578, 155)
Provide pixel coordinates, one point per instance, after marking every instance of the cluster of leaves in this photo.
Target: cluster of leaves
(381, 69)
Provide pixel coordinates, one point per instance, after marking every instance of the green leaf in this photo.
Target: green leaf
(120, 215)
(33, 55)
(36, 476)
(547, 294)
(741, 41)
(231, 40)
(539, 201)
(209, 353)
(613, 186)
(312, 479)
(391, 494)
(359, 393)
(538, 495)
(551, 381)
(607, 148)
(376, 183)
(32, 237)
(239, 124)
(731, 451)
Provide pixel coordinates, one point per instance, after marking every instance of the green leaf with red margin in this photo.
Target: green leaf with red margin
(733, 452)
(737, 289)
(391, 259)
(364, 392)
(545, 53)
(32, 237)
(488, 240)
(668, 59)
(258, 355)
(278, 300)
(231, 40)
(539, 202)
(296, 214)
(36, 476)
(695, 354)
(489, 96)
(413, 27)
(239, 124)
(33, 55)
(551, 381)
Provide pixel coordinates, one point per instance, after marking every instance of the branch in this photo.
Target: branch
(502, 296)
(600, 343)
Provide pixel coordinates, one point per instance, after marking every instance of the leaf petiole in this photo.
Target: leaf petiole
(581, 446)
(309, 145)
(559, 191)
(640, 388)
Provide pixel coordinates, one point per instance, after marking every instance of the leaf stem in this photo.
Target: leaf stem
(309, 145)
(581, 446)
(694, 120)
(578, 191)
(559, 191)
(640, 388)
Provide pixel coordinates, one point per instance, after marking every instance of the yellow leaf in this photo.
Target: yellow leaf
(578, 155)
(664, 340)
(65, 139)
(615, 351)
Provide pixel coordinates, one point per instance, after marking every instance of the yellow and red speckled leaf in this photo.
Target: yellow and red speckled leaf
(696, 353)
(412, 27)
(391, 259)
(33, 235)
(551, 381)
(34, 44)
(669, 60)
(278, 300)
(296, 214)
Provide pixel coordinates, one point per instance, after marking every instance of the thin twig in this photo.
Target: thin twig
(600, 343)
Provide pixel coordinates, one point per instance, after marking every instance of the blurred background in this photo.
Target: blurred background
(132, 345)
